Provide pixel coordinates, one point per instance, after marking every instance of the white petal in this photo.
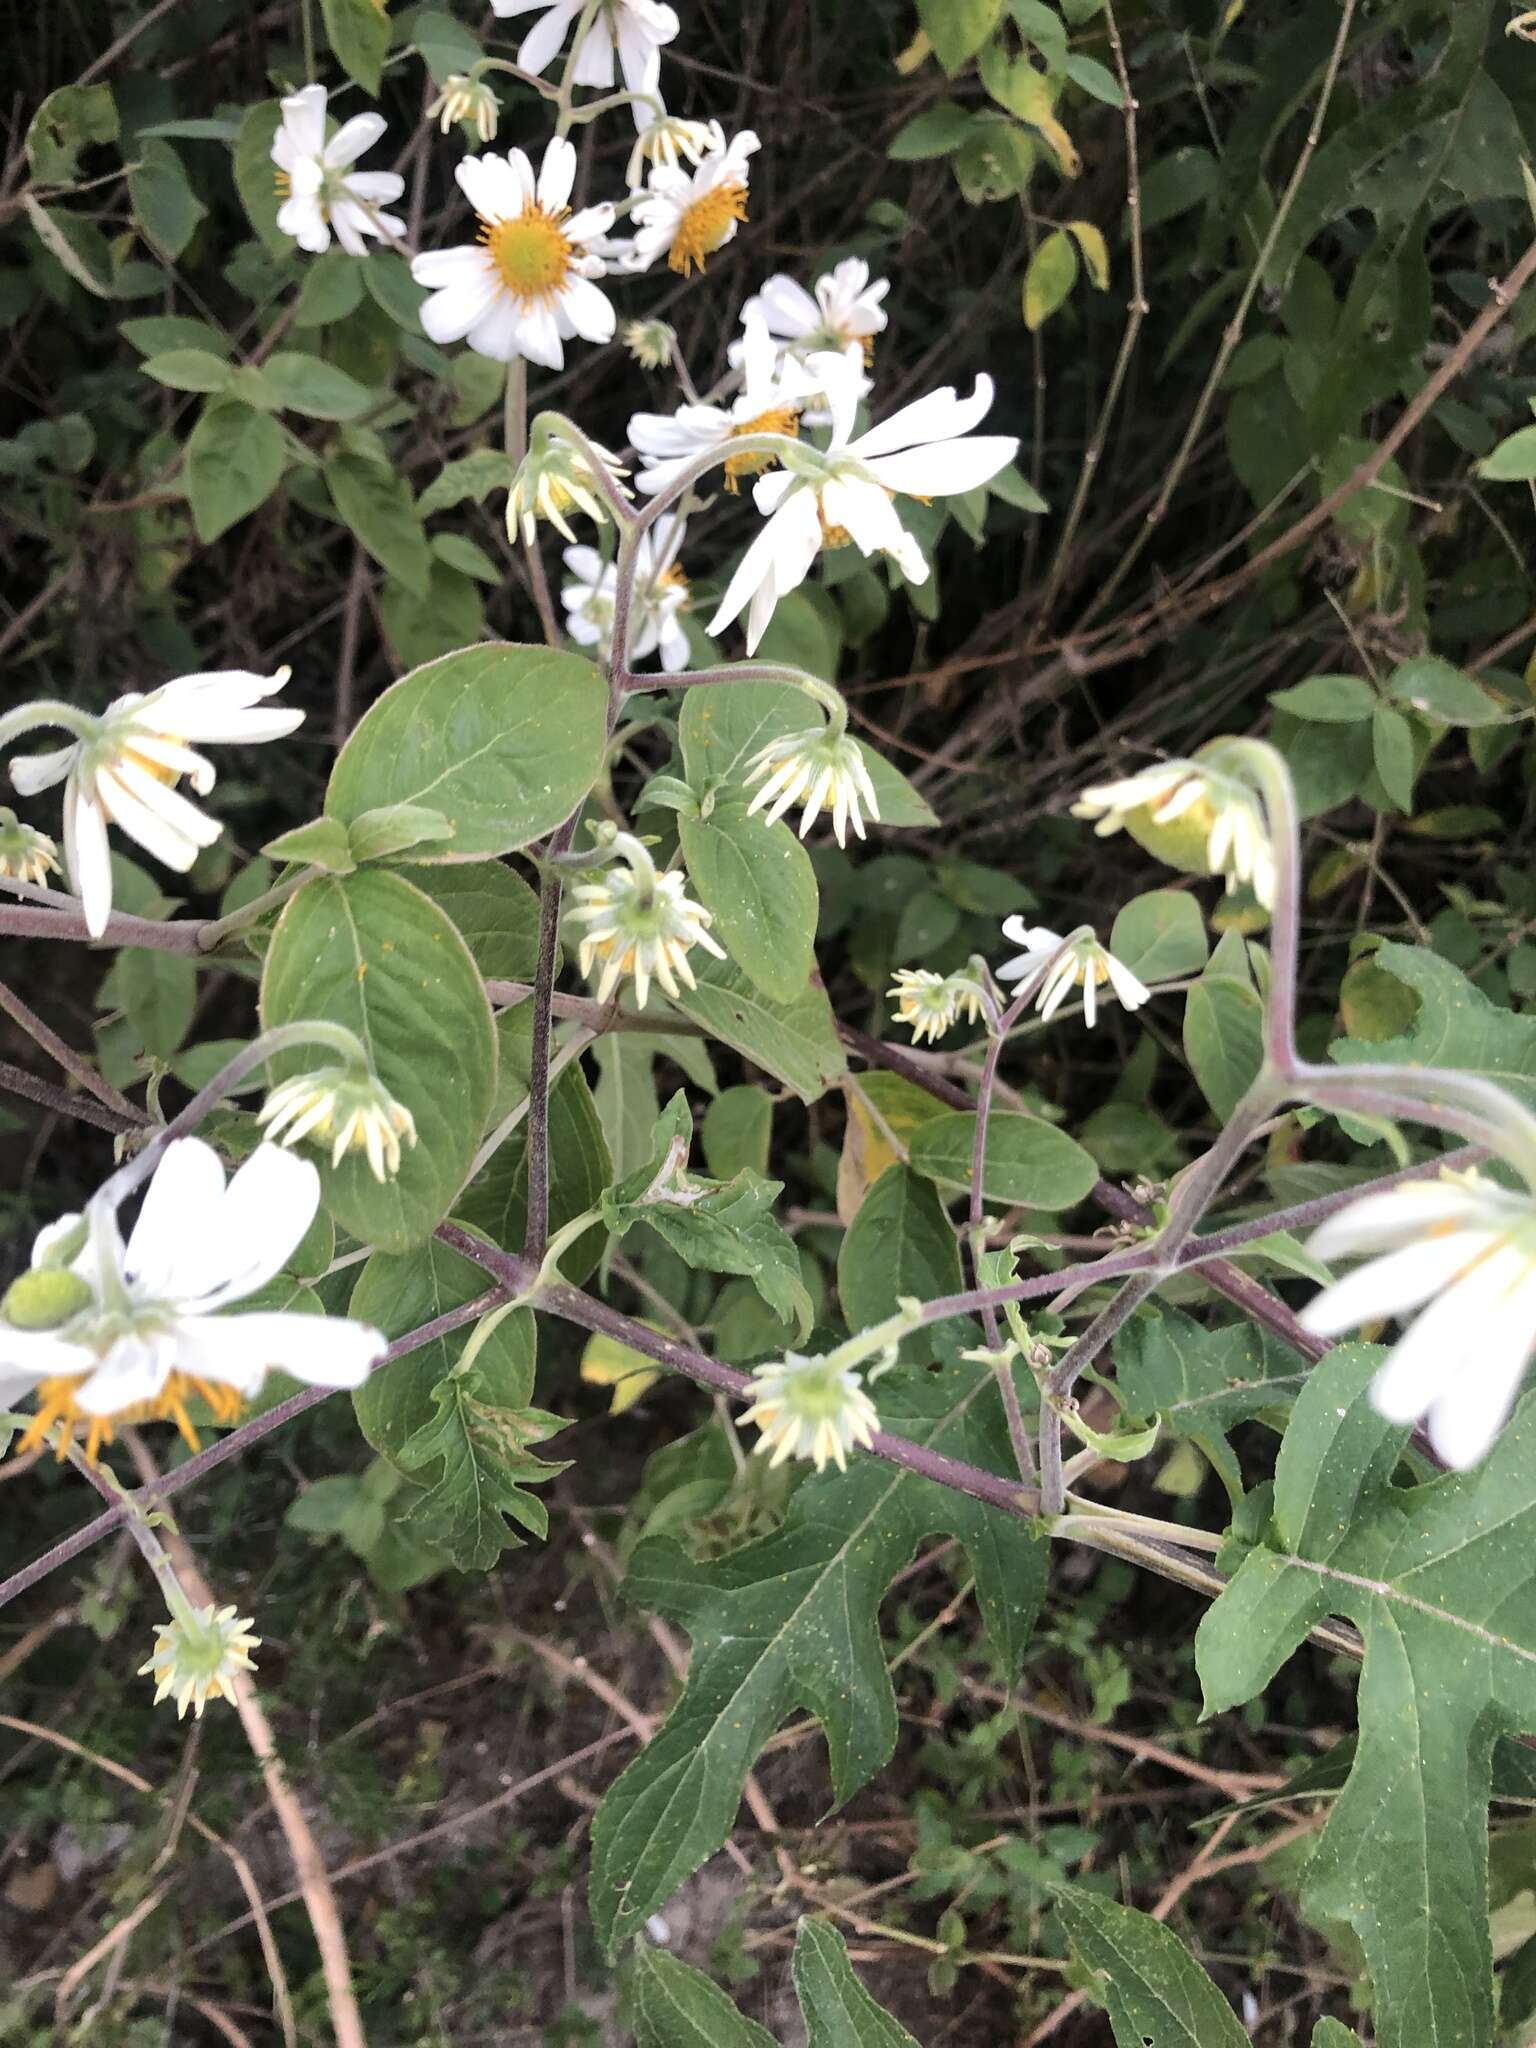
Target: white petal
(1437, 1353)
(940, 416)
(304, 119)
(546, 36)
(1392, 1284)
(134, 1370)
(32, 773)
(327, 1351)
(263, 1213)
(158, 817)
(589, 312)
(1465, 1419)
(87, 856)
(445, 269)
(168, 1242)
(27, 1356)
(352, 138)
(1399, 1215)
(557, 174)
(450, 314)
(494, 333)
(945, 468)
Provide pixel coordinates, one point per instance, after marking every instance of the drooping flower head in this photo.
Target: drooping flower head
(26, 855)
(1192, 815)
(657, 602)
(343, 1108)
(689, 217)
(650, 342)
(105, 1333)
(527, 286)
(634, 30)
(846, 310)
(639, 924)
(197, 1656)
(321, 194)
(929, 1003)
(820, 769)
(555, 477)
(769, 402)
(1083, 963)
(466, 99)
(811, 1408)
(125, 773)
(1461, 1250)
(665, 140)
(846, 493)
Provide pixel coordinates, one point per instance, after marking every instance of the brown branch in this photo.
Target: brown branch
(50, 1096)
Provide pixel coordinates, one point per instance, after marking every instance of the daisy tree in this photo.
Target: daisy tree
(596, 924)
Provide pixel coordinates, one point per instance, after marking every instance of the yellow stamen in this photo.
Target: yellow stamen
(532, 253)
(57, 1404)
(779, 419)
(283, 183)
(672, 578)
(705, 225)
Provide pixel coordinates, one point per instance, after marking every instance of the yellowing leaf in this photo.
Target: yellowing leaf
(1095, 251)
(915, 55)
(607, 1363)
(1050, 277)
(1032, 97)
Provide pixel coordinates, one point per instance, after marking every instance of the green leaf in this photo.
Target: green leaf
(306, 384)
(333, 284)
(472, 477)
(445, 45)
(839, 2012)
(936, 131)
(496, 912)
(371, 952)
(1049, 279)
(189, 369)
(358, 33)
(235, 459)
(1512, 462)
(159, 993)
(465, 555)
(1395, 755)
(398, 1293)
(676, 2006)
(420, 629)
(395, 829)
(797, 1042)
(625, 1096)
(256, 175)
(377, 505)
(1161, 936)
(1436, 690)
(1329, 700)
(160, 334)
(68, 121)
(167, 208)
(323, 843)
(758, 884)
(388, 278)
(504, 740)
(1337, 1451)
(1028, 1162)
(737, 1128)
(77, 245)
(1455, 1025)
(1156, 1994)
(1095, 78)
(480, 1439)
(1439, 1581)
(900, 1243)
(958, 28)
(791, 1622)
(1223, 1038)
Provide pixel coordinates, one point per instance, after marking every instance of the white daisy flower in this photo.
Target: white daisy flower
(320, 194)
(26, 855)
(687, 218)
(1467, 1248)
(929, 1003)
(556, 475)
(666, 140)
(1085, 964)
(846, 310)
(197, 1656)
(1215, 807)
(347, 1110)
(636, 29)
(772, 393)
(810, 1408)
(659, 597)
(106, 1334)
(826, 769)
(125, 774)
(847, 492)
(639, 923)
(527, 286)
(466, 99)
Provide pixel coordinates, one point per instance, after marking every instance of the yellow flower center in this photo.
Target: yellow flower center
(705, 224)
(779, 419)
(56, 1403)
(532, 254)
(673, 579)
(283, 183)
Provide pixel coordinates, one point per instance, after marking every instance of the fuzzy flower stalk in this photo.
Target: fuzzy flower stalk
(811, 1408)
(1455, 1258)
(638, 924)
